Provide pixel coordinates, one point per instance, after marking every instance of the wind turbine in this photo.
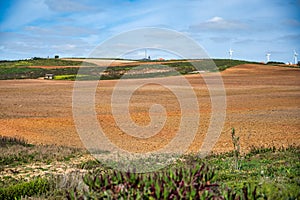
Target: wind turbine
(230, 53)
(145, 54)
(295, 57)
(268, 57)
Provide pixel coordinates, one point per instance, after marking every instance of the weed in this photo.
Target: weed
(236, 146)
(169, 184)
(8, 141)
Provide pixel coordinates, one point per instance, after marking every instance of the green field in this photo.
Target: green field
(38, 62)
(263, 173)
(21, 69)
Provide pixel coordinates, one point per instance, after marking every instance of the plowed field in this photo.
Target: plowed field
(263, 105)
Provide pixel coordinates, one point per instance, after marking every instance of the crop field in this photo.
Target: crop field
(262, 107)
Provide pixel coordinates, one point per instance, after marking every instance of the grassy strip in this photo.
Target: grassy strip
(34, 187)
(38, 62)
(71, 77)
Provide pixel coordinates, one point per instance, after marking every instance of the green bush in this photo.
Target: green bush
(34, 187)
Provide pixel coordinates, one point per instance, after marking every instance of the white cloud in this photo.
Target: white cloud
(218, 23)
(216, 20)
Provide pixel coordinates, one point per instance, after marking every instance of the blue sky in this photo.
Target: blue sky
(73, 28)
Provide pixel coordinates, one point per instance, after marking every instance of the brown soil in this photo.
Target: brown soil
(262, 105)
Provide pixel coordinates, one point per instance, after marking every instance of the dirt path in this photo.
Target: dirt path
(262, 105)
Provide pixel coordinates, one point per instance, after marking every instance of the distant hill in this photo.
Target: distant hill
(67, 69)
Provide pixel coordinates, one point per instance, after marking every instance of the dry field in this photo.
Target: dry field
(263, 105)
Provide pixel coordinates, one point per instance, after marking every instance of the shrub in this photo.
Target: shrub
(34, 187)
(179, 183)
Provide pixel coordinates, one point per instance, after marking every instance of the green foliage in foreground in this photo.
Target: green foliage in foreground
(263, 173)
(275, 172)
(35, 187)
(175, 183)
